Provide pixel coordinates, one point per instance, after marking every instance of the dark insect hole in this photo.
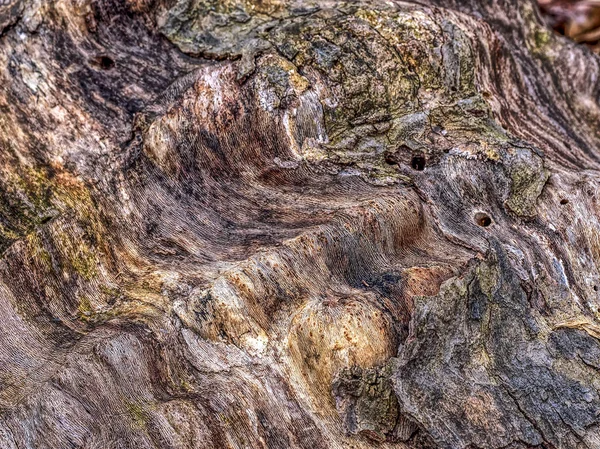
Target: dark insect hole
(564, 201)
(391, 159)
(418, 163)
(104, 62)
(483, 219)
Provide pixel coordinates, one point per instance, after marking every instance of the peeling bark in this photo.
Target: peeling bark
(292, 224)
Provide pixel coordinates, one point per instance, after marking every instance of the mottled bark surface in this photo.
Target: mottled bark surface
(277, 224)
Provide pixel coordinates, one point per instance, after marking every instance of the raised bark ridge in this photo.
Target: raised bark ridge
(296, 224)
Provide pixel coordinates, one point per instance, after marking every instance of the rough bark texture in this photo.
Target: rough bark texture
(276, 224)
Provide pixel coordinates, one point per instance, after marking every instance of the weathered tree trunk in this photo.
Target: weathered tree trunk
(297, 224)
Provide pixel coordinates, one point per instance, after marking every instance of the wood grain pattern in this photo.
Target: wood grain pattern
(292, 224)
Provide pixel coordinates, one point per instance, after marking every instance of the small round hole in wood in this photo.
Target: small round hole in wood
(418, 163)
(104, 62)
(391, 159)
(482, 219)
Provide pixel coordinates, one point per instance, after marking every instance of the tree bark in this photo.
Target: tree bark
(295, 224)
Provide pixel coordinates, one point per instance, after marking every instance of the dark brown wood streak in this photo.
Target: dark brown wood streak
(296, 224)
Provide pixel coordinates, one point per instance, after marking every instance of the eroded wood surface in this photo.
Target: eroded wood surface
(276, 224)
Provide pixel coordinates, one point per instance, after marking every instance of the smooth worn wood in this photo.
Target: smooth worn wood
(295, 224)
